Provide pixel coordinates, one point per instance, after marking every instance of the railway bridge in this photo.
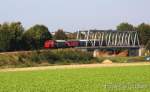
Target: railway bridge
(110, 42)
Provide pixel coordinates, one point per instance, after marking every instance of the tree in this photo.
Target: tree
(125, 27)
(60, 35)
(144, 33)
(10, 35)
(17, 32)
(148, 45)
(5, 37)
(35, 37)
(72, 36)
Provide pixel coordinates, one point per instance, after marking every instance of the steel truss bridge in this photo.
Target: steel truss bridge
(112, 39)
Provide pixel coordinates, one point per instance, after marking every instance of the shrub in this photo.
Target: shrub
(73, 55)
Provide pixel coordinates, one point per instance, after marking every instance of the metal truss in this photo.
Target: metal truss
(109, 38)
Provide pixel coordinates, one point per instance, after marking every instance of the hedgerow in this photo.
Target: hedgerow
(48, 57)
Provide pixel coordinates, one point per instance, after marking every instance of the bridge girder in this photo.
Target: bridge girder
(109, 38)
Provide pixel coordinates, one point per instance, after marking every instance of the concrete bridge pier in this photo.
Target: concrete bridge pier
(95, 52)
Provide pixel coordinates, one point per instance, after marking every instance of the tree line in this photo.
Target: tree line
(14, 37)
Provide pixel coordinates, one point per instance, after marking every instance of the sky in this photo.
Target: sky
(73, 15)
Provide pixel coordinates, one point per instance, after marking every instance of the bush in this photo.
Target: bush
(73, 55)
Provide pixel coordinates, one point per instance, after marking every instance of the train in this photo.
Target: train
(61, 44)
(69, 44)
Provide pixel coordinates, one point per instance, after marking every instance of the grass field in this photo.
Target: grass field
(104, 79)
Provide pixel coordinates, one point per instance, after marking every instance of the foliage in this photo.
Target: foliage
(35, 37)
(125, 27)
(37, 58)
(62, 56)
(17, 34)
(71, 36)
(60, 35)
(10, 36)
(144, 33)
(148, 45)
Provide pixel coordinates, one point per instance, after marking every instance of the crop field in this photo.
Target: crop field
(103, 79)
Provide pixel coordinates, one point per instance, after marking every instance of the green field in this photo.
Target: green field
(104, 79)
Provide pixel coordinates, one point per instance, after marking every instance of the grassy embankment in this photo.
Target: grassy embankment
(56, 57)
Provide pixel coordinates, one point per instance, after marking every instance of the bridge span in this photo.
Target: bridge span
(111, 40)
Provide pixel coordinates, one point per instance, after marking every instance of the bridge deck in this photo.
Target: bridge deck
(105, 47)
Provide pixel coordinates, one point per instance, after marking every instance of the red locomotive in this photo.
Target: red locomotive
(49, 44)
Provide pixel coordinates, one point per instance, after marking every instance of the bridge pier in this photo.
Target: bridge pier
(133, 52)
(142, 51)
(95, 52)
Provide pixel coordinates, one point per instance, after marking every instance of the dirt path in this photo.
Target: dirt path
(74, 66)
